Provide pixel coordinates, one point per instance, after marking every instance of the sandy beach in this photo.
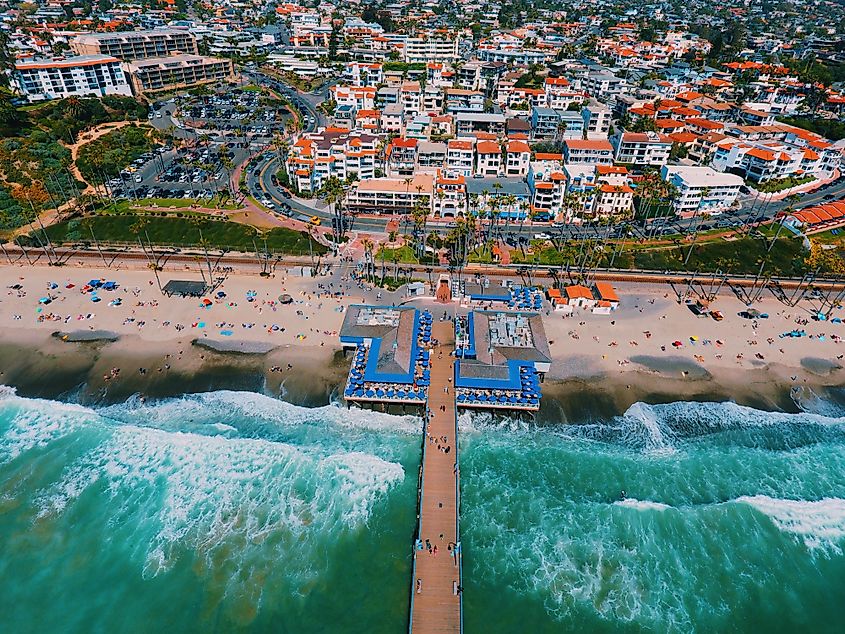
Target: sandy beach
(650, 345)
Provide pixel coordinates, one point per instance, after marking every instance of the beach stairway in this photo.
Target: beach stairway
(435, 595)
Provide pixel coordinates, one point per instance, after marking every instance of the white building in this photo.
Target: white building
(85, 75)
(583, 151)
(642, 148)
(596, 120)
(432, 49)
(701, 189)
(391, 195)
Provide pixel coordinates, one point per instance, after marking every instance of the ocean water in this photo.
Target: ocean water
(235, 512)
(220, 512)
(732, 520)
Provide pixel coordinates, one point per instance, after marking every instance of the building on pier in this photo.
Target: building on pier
(391, 348)
(502, 357)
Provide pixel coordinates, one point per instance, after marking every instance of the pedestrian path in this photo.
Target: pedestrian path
(436, 586)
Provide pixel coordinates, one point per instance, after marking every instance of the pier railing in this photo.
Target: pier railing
(459, 557)
(418, 532)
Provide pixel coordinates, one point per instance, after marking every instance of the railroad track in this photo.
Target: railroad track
(247, 263)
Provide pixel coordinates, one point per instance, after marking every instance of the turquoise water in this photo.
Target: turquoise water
(235, 512)
(221, 512)
(734, 521)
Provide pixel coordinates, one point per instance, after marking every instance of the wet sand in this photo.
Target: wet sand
(83, 371)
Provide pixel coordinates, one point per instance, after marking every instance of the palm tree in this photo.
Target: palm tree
(368, 255)
(88, 223)
(138, 227)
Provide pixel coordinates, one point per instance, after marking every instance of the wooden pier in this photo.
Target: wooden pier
(436, 583)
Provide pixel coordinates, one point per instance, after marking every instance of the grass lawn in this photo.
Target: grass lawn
(181, 203)
(404, 255)
(481, 255)
(737, 256)
(782, 183)
(185, 232)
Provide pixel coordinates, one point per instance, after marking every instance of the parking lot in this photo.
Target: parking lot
(247, 114)
(199, 172)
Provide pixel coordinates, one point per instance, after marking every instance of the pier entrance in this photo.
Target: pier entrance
(436, 582)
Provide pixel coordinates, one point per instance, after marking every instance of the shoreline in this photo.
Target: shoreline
(651, 349)
(80, 370)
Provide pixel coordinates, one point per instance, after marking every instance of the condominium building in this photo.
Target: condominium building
(432, 49)
(701, 189)
(391, 195)
(468, 123)
(177, 71)
(361, 74)
(642, 148)
(582, 151)
(85, 75)
(332, 153)
(596, 119)
(133, 45)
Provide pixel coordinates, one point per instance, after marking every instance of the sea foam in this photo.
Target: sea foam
(203, 493)
(820, 522)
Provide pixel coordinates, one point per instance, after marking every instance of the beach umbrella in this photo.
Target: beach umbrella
(221, 294)
(379, 392)
(45, 300)
(677, 344)
(370, 393)
(206, 302)
(285, 298)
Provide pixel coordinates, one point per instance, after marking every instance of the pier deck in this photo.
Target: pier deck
(436, 605)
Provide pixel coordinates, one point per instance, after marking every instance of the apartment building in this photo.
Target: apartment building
(764, 161)
(176, 71)
(450, 195)
(431, 157)
(560, 94)
(604, 86)
(613, 201)
(489, 158)
(317, 157)
(401, 156)
(430, 49)
(359, 97)
(460, 157)
(361, 74)
(701, 189)
(530, 97)
(129, 46)
(510, 198)
(468, 123)
(460, 99)
(614, 196)
(391, 119)
(648, 149)
(517, 158)
(585, 151)
(596, 118)
(81, 76)
(391, 195)
(410, 96)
